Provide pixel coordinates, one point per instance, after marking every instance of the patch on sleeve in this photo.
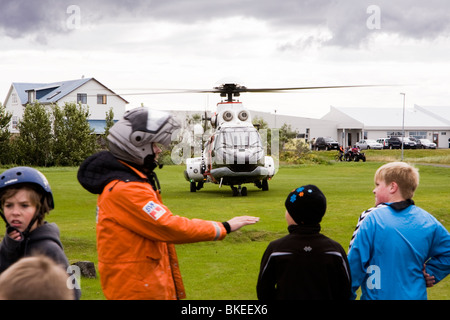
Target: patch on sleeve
(154, 210)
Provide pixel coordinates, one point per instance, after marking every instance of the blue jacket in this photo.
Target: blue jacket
(389, 248)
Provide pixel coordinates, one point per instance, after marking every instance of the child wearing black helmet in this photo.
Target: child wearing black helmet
(305, 264)
(25, 199)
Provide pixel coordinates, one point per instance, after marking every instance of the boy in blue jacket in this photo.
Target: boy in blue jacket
(395, 240)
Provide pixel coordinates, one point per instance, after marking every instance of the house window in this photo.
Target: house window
(54, 95)
(101, 99)
(418, 134)
(394, 134)
(82, 98)
(14, 122)
(14, 98)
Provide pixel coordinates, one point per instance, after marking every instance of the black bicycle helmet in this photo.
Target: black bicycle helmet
(30, 176)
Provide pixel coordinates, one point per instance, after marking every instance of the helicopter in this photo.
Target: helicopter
(234, 155)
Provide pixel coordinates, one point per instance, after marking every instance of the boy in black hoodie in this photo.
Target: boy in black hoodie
(25, 199)
(304, 265)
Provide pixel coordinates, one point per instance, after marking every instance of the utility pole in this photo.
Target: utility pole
(403, 121)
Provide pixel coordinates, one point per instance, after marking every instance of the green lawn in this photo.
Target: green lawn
(228, 269)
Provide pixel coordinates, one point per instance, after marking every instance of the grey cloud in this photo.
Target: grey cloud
(422, 20)
(19, 17)
(346, 19)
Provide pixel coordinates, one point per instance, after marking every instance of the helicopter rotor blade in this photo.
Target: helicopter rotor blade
(169, 91)
(305, 88)
(238, 89)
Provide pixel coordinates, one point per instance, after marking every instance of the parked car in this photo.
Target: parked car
(408, 143)
(394, 143)
(384, 142)
(369, 144)
(415, 140)
(427, 144)
(418, 143)
(326, 143)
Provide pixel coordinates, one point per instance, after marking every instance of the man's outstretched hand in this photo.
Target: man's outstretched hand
(238, 222)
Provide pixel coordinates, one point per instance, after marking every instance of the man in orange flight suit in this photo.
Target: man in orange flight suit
(136, 232)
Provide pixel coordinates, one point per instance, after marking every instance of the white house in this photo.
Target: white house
(87, 91)
(354, 124)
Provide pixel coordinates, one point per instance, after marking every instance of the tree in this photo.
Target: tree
(194, 119)
(35, 140)
(286, 134)
(74, 140)
(109, 121)
(5, 136)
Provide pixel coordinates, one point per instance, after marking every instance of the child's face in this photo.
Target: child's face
(381, 192)
(19, 210)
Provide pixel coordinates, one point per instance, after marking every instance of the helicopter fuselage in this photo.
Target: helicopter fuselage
(233, 154)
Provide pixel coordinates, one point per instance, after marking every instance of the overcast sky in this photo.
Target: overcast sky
(134, 46)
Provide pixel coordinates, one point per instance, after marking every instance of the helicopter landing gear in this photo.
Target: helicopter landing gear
(263, 185)
(239, 191)
(195, 187)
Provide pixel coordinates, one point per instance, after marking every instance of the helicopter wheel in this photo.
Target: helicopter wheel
(239, 191)
(265, 185)
(193, 187)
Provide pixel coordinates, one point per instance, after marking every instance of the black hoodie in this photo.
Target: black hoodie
(304, 265)
(43, 240)
(100, 169)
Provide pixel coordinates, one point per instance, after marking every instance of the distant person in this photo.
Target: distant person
(397, 247)
(341, 153)
(136, 232)
(348, 155)
(25, 199)
(35, 278)
(305, 264)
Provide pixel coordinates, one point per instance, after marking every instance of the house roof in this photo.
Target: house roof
(393, 118)
(47, 93)
(442, 113)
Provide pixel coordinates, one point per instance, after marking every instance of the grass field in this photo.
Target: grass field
(228, 269)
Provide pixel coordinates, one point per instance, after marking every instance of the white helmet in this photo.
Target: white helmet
(131, 138)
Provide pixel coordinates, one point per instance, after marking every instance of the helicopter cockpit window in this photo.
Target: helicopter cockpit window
(238, 138)
(238, 146)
